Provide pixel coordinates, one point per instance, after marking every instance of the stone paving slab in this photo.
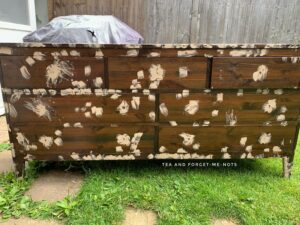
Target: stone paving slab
(3, 130)
(6, 163)
(55, 185)
(28, 221)
(139, 217)
(223, 222)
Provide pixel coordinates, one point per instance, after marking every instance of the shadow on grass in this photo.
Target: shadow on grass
(270, 167)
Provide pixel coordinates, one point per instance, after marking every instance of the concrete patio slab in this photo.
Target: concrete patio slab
(55, 185)
(28, 221)
(3, 130)
(6, 163)
(224, 222)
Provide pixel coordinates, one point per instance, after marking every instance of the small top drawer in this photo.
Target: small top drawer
(37, 71)
(274, 72)
(157, 73)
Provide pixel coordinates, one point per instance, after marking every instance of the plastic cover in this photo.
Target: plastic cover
(85, 29)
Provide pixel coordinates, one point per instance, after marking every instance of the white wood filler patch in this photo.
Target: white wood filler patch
(24, 142)
(163, 109)
(220, 97)
(269, 106)
(183, 72)
(280, 117)
(265, 138)
(58, 133)
(98, 54)
(187, 53)
(154, 54)
(40, 108)
(140, 74)
(46, 141)
(188, 139)
(135, 84)
(132, 52)
(277, 149)
(231, 118)
(182, 156)
(162, 149)
(25, 73)
(16, 96)
(173, 123)
(11, 110)
(30, 61)
(98, 82)
(87, 70)
(135, 102)
(261, 73)
(123, 108)
(192, 107)
(185, 93)
(215, 113)
(157, 74)
(181, 151)
(77, 125)
(79, 84)
(58, 141)
(243, 141)
(6, 50)
(151, 98)
(74, 53)
(57, 71)
(248, 53)
(152, 115)
(39, 56)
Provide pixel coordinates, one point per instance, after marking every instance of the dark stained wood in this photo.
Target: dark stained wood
(80, 109)
(95, 138)
(216, 99)
(75, 67)
(123, 71)
(239, 72)
(213, 139)
(247, 107)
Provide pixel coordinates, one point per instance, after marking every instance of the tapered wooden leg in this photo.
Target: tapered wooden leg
(287, 164)
(19, 167)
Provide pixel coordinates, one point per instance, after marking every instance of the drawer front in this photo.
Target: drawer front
(88, 142)
(63, 72)
(123, 108)
(157, 73)
(256, 72)
(230, 108)
(225, 142)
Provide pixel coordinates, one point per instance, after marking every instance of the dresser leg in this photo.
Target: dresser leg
(287, 164)
(19, 167)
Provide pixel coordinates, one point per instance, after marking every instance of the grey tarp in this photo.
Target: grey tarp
(85, 29)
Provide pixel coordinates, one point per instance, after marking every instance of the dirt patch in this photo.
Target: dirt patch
(224, 222)
(139, 217)
(6, 163)
(3, 130)
(55, 185)
(28, 221)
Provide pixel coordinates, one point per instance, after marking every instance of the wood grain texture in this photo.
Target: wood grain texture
(98, 109)
(239, 107)
(50, 73)
(232, 140)
(241, 72)
(90, 138)
(123, 71)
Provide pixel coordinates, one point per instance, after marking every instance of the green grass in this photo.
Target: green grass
(4, 146)
(252, 193)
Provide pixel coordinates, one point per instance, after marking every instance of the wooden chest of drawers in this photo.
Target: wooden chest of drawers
(117, 102)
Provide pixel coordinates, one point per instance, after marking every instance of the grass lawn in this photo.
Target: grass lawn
(251, 193)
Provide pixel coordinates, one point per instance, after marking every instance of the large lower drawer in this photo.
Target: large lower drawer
(39, 72)
(230, 107)
(225, 141)
(40, 141)
(112, 108)
(256, 72)
(157, 73)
